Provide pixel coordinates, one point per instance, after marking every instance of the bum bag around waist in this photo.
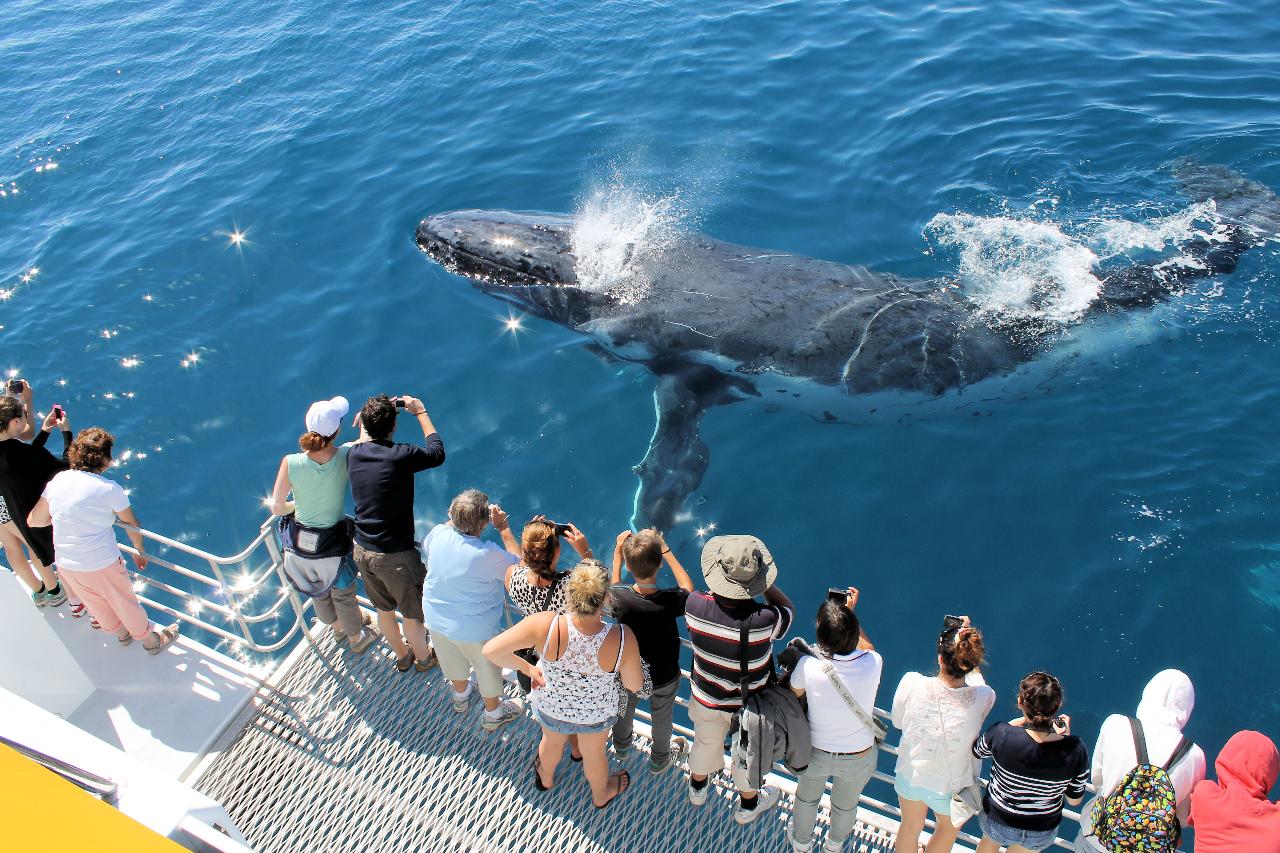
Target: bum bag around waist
(316, 542)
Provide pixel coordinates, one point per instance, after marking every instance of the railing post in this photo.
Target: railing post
(233, 602)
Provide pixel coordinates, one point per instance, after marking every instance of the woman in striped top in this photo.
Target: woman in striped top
(1036, 764)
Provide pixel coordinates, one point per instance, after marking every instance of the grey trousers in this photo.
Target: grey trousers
(851, 774)
(661, 706)
(340, 605)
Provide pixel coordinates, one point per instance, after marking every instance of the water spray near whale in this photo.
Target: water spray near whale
(717, 322)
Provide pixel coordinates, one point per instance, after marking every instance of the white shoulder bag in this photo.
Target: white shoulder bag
(878, 729)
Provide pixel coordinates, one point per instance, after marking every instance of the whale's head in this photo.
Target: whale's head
(523, 258)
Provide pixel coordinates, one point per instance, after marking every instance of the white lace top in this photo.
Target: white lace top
(577, 689)
(939, 725)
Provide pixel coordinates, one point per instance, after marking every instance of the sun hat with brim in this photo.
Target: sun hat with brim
(325, 417)
(737, 566)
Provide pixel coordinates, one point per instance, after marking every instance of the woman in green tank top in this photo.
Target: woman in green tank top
(317, 477)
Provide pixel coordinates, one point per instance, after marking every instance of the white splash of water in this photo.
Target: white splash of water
(616, 230)
(1029, 267)
(1020, 267)
(1114, 237)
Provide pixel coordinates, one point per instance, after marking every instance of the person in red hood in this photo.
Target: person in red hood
(1233, 814)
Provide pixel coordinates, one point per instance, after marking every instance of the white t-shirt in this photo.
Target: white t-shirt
(939, 725)
(832, 724)
(84, 507)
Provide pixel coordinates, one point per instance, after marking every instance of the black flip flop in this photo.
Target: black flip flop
(624, 783)
(537, 775)
(577, 759)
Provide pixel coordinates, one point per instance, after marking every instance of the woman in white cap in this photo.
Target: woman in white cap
(314, 528)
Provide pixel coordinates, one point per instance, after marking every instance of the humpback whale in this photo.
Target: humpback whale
(718, 322)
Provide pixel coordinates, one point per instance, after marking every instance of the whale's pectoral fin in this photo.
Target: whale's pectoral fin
(677, 457)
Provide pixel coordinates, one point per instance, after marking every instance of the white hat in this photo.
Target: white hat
(325, 417)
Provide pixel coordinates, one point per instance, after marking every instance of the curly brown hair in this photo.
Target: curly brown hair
(961, 651)
(91, 451)
(540, 546)
(1041, 697)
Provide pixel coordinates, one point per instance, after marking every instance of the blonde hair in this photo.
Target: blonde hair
(588, 588)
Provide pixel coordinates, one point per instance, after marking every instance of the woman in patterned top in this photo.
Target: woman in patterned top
(533, 584)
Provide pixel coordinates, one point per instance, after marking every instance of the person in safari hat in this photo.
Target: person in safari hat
(738, 571)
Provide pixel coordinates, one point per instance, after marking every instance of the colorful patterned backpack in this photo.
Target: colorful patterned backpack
(1141, 813)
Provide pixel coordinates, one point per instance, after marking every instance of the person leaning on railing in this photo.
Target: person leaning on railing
(386, 550)
(24, 471)
(736, 569)
(1111, 821)
(1233, 814)
(462, 602)
(1037, 766)
(82, 505)
(584, 662)
(940, 717)
(313, 527)
(651, 612)
(840, 684)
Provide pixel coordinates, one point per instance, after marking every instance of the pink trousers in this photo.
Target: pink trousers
(109, 596)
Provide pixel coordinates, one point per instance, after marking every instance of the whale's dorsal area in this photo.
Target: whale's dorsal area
(713, 320)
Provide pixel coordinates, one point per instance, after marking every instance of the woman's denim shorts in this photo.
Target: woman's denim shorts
(1007, 835)
(560, 727)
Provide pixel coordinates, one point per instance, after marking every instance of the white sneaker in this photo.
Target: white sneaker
(832, 847)
(767, 798)
(698, 796)
(508, 710)
(462, 701)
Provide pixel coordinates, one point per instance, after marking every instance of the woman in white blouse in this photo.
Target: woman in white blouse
(940, 717)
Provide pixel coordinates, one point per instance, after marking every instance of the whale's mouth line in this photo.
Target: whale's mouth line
(448, 256)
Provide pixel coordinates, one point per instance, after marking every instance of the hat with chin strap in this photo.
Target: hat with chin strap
(737, 566)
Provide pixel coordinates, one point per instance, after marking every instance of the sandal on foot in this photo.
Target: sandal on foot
(575, 758)
(537, 775)
(624, 782)
(167, 636)
(78, 609)
(124, 639)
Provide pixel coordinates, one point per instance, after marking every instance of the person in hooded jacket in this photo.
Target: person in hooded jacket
(1234, 814)
(1166, 706)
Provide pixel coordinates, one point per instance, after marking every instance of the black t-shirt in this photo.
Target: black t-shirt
(25, 469)
(652, 618)
(381, 474)
(1029, 779)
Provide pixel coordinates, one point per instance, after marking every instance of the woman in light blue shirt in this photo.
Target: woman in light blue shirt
(462, 602)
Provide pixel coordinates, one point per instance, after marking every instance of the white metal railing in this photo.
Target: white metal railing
(262, 560)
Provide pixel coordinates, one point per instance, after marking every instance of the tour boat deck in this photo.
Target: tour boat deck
(347, 754)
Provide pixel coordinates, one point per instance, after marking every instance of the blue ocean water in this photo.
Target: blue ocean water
(1104, 515)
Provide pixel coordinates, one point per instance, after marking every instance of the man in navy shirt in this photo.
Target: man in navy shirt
(385, 552)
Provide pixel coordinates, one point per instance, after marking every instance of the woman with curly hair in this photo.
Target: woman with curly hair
(82, 505)
(940, 717)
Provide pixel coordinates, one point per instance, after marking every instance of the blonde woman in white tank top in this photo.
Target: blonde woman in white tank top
(576, 682)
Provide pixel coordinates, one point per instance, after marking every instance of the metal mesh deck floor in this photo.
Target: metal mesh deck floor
(347, 754)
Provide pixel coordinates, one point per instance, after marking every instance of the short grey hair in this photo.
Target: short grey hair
(469, 512)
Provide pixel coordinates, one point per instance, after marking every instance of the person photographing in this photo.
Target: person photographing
(385, 551)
